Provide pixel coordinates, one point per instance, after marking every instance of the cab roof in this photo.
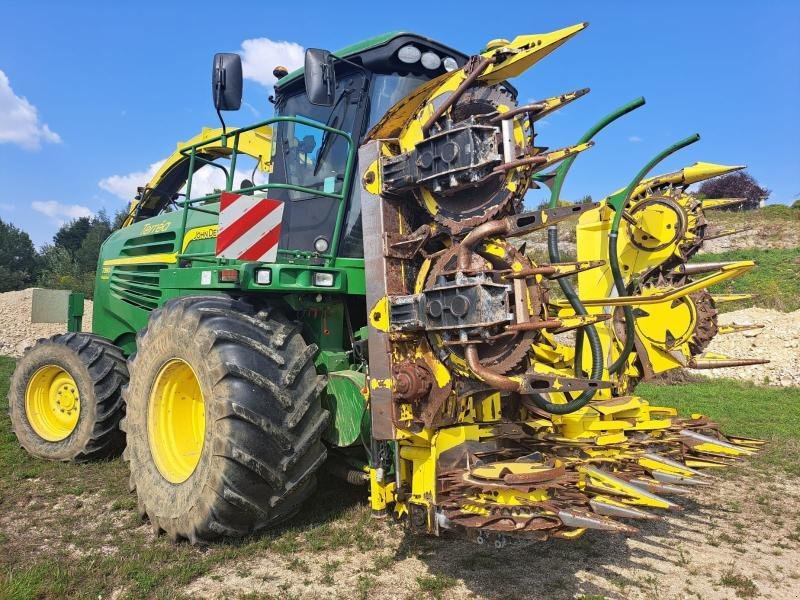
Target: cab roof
(376, 42)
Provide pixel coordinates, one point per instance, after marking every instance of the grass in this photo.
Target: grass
(94, 543)
(744, 587)
(769, 215)
(80, 536)
(435, 585)
(775, 281)
(771, 413)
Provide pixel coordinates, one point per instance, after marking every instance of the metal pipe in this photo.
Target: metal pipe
(521, 162)
(494, 379)
(697, 268)
(535, 325)
(696, 363)
(476, 72)
(474, 237)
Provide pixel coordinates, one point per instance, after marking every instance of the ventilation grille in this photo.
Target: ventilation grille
(137, 284)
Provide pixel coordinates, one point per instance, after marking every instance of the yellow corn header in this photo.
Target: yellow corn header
(500, 426)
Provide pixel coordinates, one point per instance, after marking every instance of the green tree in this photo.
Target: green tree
(71, 235)
(18, 263)
(71, 261)
(87, 254)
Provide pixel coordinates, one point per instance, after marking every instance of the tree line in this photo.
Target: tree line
(69, 262)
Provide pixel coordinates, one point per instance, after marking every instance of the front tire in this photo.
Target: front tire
(224, 420)
(65, 398)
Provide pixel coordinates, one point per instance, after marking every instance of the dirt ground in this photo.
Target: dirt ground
(722, 546)
(740, 538)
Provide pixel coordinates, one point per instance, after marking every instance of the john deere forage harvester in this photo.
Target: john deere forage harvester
(372, 306)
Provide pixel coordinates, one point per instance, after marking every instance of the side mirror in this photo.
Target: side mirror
(226, 81)
(320, 77)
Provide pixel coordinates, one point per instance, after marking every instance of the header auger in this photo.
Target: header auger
(403, 334)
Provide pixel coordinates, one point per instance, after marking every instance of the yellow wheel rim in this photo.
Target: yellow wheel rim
(52, 403)
(176, 421)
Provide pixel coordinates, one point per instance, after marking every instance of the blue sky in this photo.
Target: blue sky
(96, 92)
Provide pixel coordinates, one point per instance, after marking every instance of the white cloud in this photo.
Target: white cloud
(61, 212)
(635, 139)
(261, 55)
(19, 120)
(205, 181)
(124, 186)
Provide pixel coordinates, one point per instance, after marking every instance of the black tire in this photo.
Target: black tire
(99, 371)
(261, 443)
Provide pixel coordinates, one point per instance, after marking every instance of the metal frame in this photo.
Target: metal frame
(192, 152)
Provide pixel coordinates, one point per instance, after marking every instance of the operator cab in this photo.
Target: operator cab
(349, 91)
(367, 80)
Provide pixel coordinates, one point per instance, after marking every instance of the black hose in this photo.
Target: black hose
(595, 346)
(619, 284)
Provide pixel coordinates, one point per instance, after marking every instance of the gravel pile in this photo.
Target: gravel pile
(16, 330)
(778, 341)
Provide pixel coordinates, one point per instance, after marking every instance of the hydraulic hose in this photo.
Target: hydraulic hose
(595, 347)
(618, 202)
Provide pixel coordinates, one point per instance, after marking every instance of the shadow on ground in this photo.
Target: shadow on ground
(596, 565)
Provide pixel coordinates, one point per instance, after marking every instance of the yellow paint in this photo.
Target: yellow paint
(206, 232)
(197, 234)
(382, 493)
(628, 493)
(256, 143)
(165, 258)
(52, 403)
(524, 51)
(176, 421)
(379, 315)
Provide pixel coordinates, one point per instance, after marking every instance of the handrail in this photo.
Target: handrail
(191, 151)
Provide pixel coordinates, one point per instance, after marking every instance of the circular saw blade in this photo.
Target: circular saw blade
(505, 353)
(469, 207)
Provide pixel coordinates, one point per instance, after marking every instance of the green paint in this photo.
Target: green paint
(148, 263)
(347, 407)
(346, 52)
(75, 311)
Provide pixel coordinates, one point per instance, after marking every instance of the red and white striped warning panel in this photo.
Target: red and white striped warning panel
(249, 227)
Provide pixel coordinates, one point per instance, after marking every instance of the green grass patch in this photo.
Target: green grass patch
(435, 585)
(76, 508)
(775, 281)
(741, 408)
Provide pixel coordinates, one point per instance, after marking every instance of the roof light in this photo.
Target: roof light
(409, 54)
(431, 60)
(450, 64)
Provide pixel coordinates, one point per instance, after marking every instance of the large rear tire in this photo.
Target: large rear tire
(224, 420)
(65, 398)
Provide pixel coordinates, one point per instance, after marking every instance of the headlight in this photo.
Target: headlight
(321, 245)
(431, 60)
(450, 64)
(323, 279)
(263, 276)
(409, 54)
